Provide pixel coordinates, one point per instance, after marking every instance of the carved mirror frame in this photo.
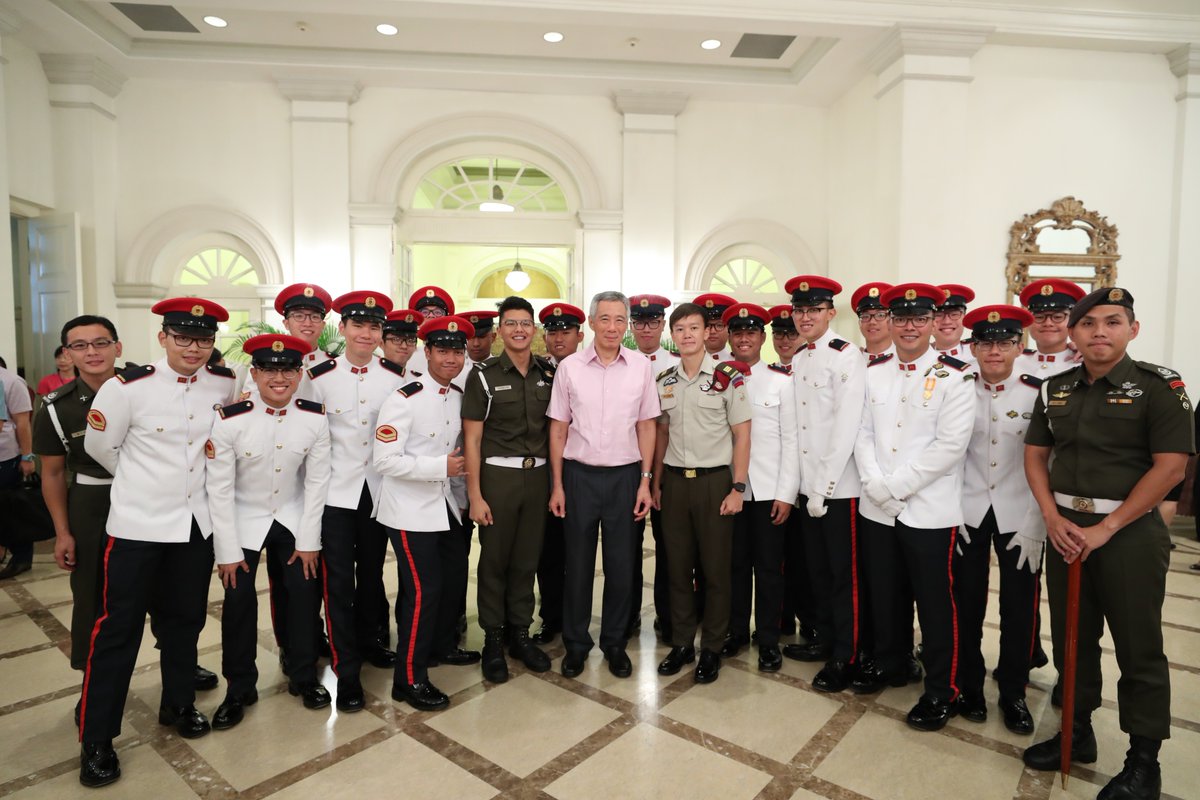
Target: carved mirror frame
(1025, 254)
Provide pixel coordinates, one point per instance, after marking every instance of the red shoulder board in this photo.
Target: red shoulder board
(392, 366)
(237, 408)
(725, 374)
(322, 368)
(310, 405)
(1176, 384)
(1030, 380)
(409, 389)
(875, 361)
(132, 374)
(838, 344)
(954, 363)
(786, 369)
(223, 372)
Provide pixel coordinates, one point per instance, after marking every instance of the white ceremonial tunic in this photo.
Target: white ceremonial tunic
(419, 425)
(830, 384)
(250, 391)
(660, 359)
(916, 424)
(961, 351)
(891, 351)
(352, 397)
(774, 460)
(150, 436)
(267, 465)
(994, 471)
(721, 355)
(1042, 365)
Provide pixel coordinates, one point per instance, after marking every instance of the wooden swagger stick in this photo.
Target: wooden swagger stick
(1070, 652)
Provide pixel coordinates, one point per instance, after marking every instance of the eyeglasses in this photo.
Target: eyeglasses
(291, 373)
(716, 326)
(791, 336)
(1050, 316)
(305, 316)
(99, 344)
(872, 316)
(647, 324)
(523, 324)
(949, 313)
(808, 311)
(203, 342)
(1004, 345)
(915, 321)
(411, 341)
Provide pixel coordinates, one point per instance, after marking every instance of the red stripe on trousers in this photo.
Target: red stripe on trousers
(953, 615)
(87, 674)
(333, 651)
(1033, 628)
(412, 633)
(854, 574)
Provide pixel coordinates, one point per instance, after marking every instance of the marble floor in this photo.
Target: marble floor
(749, 735)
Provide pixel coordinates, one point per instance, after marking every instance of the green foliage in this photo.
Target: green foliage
(631, 343)
(330, 341)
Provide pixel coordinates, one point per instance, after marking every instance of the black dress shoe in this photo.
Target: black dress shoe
(520, 646)
(871, 678)
(1046, 756)
(350, 697)
(456, 658)
(618, 662)
(204, 680)
(495, 668)
(11, 570)
(232, 710)
(708, 669)
(834, 676)
(379, 656)
(733, 645)
(813, 651)
(98, 764)
(769, 658)
(1140, 779)
(931, 713)
(808, 633)
(572, 663)
(972, 707)
(546, 633)
(188, 722)
(313, 695)
(422, 696)
(1016, 715)
(676, 659)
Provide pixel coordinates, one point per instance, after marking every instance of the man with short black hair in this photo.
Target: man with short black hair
(716, 335)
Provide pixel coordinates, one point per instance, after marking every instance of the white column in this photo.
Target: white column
(597, 264)
(372, 228)
(649, 262)
(1183, 281)
(321, 180)
(8, 325)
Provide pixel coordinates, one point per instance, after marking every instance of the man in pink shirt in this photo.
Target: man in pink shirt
(602, 416)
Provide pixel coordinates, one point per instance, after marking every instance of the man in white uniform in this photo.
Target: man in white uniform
(1050, 300)
(948, 321)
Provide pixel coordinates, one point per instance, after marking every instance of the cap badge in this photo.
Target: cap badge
(803, 286)
(308, 291)
(277, 346)
(197, 310)
(474, 318)
(369, 302)
(910, 294)
(742, 312)
(993, 316)
(708, 303)
(408, 317)
(557, 311)
(947, 293)
(1116, 295)
(1047, 290)
(873, 291)
(645, 303)
(452, 326)
(429, 292)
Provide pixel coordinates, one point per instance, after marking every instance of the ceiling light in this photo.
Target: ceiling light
(553, 37)
(386, 29)
(517, 279)
(215, 21)
(710, 44)
(497, 203)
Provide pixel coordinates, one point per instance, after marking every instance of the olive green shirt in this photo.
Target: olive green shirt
(1105, 434)
(511, 406)
(72, 402)
(700, 416)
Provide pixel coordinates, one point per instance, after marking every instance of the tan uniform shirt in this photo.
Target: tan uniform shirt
(699, 416)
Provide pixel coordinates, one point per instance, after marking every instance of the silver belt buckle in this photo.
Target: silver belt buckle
(1085, 505)
(527, 462)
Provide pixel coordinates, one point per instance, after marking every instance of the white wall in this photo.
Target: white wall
(27, 123)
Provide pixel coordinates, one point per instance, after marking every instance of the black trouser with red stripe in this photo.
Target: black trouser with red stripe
(419, 565)
(173, 580)
(551, 571)
(757, 559)
(349, 557)
(901, 560)
(798, 598)
(832, 557)
(239, 617)
(1020, 593)
(454, 550)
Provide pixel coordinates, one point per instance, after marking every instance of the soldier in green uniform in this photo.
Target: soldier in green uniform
(1120, 432)
(506, 444)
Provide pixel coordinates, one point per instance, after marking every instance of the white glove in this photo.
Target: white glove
(966, 536)
(816, 506)
(1031, 538)
(892, 507)
(877, 491)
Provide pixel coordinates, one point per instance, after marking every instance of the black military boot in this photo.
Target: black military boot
(495, 667)
(519, 646)
(1046, 756)
(1141, 779)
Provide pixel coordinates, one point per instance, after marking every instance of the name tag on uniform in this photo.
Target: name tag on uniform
(502, 388)
(77, 434)
(1120, 401)
(1058, 402)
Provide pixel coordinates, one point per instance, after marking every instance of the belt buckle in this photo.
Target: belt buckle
(1085, 505)
(689, 473)
(527, 462)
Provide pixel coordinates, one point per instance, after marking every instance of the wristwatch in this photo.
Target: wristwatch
(27, 457)
(739, 487)
(647, 474)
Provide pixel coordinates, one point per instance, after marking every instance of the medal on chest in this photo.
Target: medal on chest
(927, 394)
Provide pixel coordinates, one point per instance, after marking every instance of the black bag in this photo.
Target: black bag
(26, 518)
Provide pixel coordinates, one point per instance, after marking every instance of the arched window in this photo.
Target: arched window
(744, 278)
(489, 183)
(226, 276)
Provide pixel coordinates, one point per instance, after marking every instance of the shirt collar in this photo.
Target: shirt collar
(1122, 372)
(163, 368)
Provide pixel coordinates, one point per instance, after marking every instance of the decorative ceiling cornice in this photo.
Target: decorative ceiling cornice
(1185, 60)
(320, 89)
(80, 70)
(905, 40)
(664, 103)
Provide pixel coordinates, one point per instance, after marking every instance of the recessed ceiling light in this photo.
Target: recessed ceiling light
(711, 44)
(553, 37)
(386, 29)
(215, 21)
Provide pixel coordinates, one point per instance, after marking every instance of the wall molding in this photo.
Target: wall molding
(82, 70)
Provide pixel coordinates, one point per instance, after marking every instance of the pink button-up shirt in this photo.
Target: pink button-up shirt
(603, 404)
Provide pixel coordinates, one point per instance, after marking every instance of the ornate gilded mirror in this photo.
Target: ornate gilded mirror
(1064, 241)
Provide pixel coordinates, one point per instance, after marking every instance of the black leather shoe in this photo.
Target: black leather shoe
(709, 667)
(350, 697)
(870, 679)
(1056, 694)
(1016, 715)
(1140, 779)
(231, 710)
(833, 677)
(98, 764)
(188, 722)
(733, 645)
(457, 657)
(379, 656)
(422, 696)
(769, 658)
(572, 663)
(313, 695)
(676, 659)
(11, 570)
(204, 680)
(808, 633)
(618, 662)
(546, 633)
(814, 651)
(495, 668)
(519, 646)
(931, 714)
(1046, 756)
(972, 707)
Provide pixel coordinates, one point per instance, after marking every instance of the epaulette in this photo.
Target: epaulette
(321, 369)
(839, 344)
(135, 373)
(733, 376)
(665, 373)
(875, 361)
(954, 363)
(1028, 351)
(392, 366)
(785, 369)
(219, 371)
(61, 391)
(1030, 380)
(456, 388)
(409, 389)
(548, 369)
(414, 373)
(732, 367)
(1167, 374)
(310, 405)
(234, 409)
(488, 362)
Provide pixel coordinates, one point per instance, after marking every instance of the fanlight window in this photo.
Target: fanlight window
(218, 267)
(743, 277)
(489, 183)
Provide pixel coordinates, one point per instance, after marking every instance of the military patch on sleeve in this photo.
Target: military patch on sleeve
(132, 374)
(96, 420)
(785, 369)
(877, 360)
(409, 389)
(219, 371)
(392, 366)
(321, 369)
(386, 434)
(234, 409)
(309, 405)
(726, 374)
(209, 450)
(664, 373)
(838, 344)
(954, 363)
(1030, 380)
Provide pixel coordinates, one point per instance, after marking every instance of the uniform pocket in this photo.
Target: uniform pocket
(711, 401)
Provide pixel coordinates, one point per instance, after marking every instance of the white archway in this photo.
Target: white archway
(760, 239)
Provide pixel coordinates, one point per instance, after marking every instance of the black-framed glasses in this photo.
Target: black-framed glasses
(203, 342)
(647, 324)
(1057, 317)
(1004, 345)
(916, 320)
(291, 373)
(809, 311)
(716, 325)
(791, 336)
(949, 313)
(305, 316)
(398, 339)
(98, 345)
(872, 316)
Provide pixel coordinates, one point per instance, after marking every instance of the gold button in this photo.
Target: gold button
(189, 416)
(277, 469)
(158, 429)
(993, 418)
(993, 463)
(278, 447)
(189, 441)
(994, 441)
(275, 492)
(362, 401)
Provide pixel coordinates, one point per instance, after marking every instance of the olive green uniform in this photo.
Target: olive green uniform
(1104, 436)
(512, 408)
(87, 503)
(700, 413)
